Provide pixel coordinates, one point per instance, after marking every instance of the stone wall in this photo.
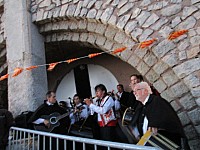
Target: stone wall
(172, 66)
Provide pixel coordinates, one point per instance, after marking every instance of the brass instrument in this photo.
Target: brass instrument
(127, 116)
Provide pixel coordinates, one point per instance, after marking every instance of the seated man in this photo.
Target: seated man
(156, 114)
(42, 115)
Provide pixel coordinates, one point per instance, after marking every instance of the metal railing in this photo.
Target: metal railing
(25, 139)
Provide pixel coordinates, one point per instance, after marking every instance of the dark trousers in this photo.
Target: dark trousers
(107, 133)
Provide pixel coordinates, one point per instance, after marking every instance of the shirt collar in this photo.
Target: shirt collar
(145, 100)
(49, 104)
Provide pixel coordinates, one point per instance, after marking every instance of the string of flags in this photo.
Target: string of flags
(51, 66)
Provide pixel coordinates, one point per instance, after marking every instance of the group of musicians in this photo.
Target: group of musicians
(151, 112)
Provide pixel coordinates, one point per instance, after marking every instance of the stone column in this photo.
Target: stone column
(25, 47)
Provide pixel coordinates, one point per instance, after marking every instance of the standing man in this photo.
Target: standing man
(156, 114)
(105, 111)
(49, 107)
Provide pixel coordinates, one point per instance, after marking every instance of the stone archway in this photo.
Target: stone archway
(172, 66)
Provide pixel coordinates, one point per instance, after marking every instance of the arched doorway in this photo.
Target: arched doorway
(76, 81)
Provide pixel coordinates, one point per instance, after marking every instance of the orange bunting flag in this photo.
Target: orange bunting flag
(176, 34)
(118, 50)
(17, 71)
(4, 77)
(31, 67)
(146, 43)
(94, 54)
(71, 60)
(52, 66)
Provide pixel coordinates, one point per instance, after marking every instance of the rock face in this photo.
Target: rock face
(173, 67)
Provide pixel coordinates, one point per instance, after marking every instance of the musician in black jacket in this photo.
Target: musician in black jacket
(156, 114)
(50, 106)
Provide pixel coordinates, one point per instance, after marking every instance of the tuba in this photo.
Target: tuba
(128, 116)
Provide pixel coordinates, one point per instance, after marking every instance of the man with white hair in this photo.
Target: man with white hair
(156, 114)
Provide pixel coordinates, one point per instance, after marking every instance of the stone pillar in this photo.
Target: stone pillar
(25, 47)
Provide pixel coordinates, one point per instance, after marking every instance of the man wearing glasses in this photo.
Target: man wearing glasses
(156, 114)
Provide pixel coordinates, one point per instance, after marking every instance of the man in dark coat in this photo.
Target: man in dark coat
(156, 114)
(6, 121)
(50, 106)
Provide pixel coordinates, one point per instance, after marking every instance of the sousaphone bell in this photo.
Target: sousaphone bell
(128, 116)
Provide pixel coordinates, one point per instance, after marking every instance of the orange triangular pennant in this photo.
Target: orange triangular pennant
(118, 50)
(146, 43)
(17, 71)
(52, 66)
(71, 60)
(4, 77)
(94, 54)
(176, 34)
(31, 67)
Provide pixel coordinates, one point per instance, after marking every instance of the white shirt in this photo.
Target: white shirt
(106, 104)
(145, 122)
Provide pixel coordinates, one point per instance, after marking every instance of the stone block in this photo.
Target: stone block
(75, 37)
(170, 78)
(151, 20)
(195, 41)
(159, 24)
(160, 67)
(119, 37)
(140, 53)
(195, 1)
(78, 8)
(129, 43)
(197, 129)
(195, 91)
(92, 38)
(83, 37)
(150, 59)
(122, 21)
(112, 20)
(92, 13)
(143, 17)
(98, 16)
(175, 21)
(98, 4)
(184, 44)
(125, 9)
(83, 12)
(130, 26)
(106, 14)
(193, 80)
(163, 47)
(90, 4)
(160, 85)
(158, 5)
(171, 59)
(176, 89)
(187, 101)
(122, 3)
(110, 32)
(134, 60)
(175, 106)
(63, 10)
(100, 28)
(197, 100)
(67, 36)
(194, 116)
(70, 10)
(188, 23)
(73, 25)
(136, 32)
(115, 3)
(135, 13)
(187, 67)
(192, 32)
(171, 10)
(91, 26)
(142, 68)
(182, 55)
(100, 40)
(152, 76)
(184, 118)
(145, 35)
(187, 11)
(194, 144)
(82, 24)
(108, 44)
(190, 132)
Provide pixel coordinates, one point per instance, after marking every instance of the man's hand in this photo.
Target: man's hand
(46, 123)
(153, 130)
(87, 101)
